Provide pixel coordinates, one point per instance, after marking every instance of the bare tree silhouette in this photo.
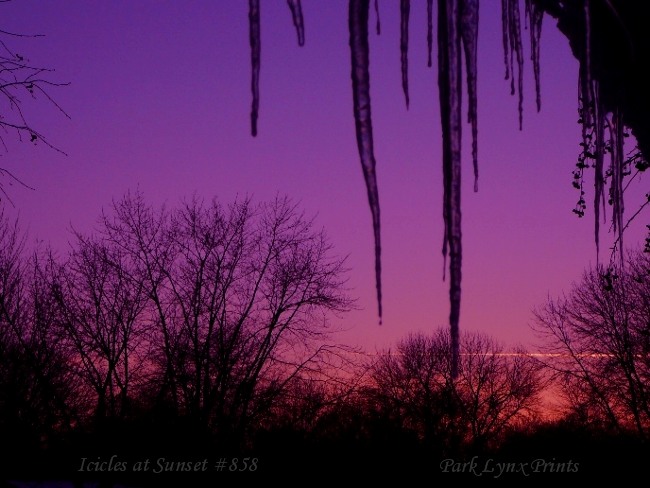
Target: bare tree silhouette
(36, 390)
(238, 299)
(21, 80)
(100, 302)
(493, 391)
(598, 342)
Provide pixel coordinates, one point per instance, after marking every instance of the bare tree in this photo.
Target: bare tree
(330, 389)
(12, 275)
(598, 342)
(413, 387)
(493, 390)
(239, 299)
(498, 388)
(100, 302)
(36, 390)
(20, 81)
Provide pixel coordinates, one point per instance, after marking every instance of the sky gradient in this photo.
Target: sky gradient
(159, 100)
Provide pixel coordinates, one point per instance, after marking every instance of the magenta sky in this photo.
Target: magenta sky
(159, 99)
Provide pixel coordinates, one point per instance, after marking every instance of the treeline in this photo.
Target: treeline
(205, 330)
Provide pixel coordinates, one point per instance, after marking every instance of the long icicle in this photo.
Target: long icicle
(535, 15)
(505, 36)
(450, 92)
(256, 43)
(594, 120)
(298, 20)
(599, 179)
(592, 115)
(469, 36)
(359, 49)
(514, 34)
(429, 32)
(618, 169)
(405, 9)
(377, 16)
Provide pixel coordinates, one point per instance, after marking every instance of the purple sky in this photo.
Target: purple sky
(159, 100)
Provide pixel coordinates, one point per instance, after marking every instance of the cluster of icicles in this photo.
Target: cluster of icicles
(457, 39)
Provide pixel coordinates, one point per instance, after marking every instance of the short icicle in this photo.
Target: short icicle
(298, 21)
(255, 42)
(405, 9)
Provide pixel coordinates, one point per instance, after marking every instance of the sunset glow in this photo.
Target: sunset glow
(152, 114)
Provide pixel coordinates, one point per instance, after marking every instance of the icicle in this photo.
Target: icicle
(515, 45)
(618, 168)
(469, 36)
(405, 9)
(429, 32)
(450, 92)
(594, 118)
(585, 71)
(505, 33)
(511, 32)
(599, 180)
(255, 42)
(358, 25)
(298, 21)
(535, 15)
(510, 47)
(377, 15)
